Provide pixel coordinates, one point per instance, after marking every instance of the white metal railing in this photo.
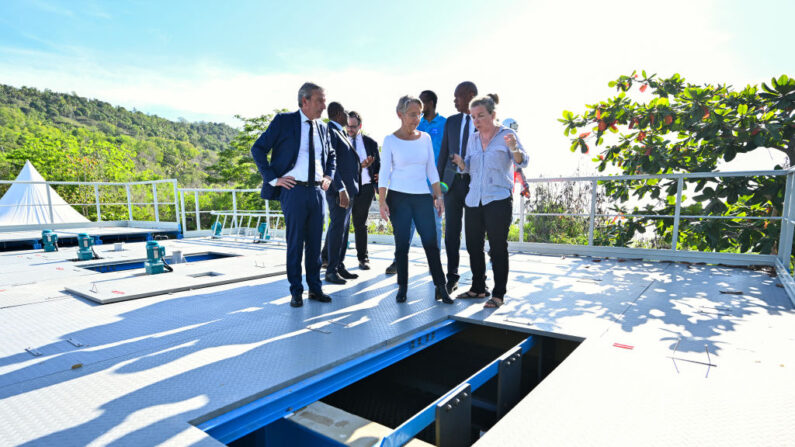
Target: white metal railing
(98, 203)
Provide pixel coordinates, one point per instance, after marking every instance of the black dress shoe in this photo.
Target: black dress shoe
(334, 278)
(392, 269)
(401, 295)
(297, 301)
(343, 273)
(451, 286)
(319, 296)
(441, 294)
(364, 265)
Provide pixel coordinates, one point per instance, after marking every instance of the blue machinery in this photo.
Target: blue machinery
(50, 240)
(451, 412)
(85, 250)
(155, 262)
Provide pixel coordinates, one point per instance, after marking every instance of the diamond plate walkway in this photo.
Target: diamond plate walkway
(139, 372)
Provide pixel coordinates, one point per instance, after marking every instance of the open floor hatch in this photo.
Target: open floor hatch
(444, 386)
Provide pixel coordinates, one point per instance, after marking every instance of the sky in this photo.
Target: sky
(210, 60)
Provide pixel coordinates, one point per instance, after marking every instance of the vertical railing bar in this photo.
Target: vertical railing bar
(521, 218)
(129, 202)
(677, 211)
(198, 216)
(176, 204)
(96, 200)
(182, 211)
(154, 199)
(785, 224)
(592, 217)
(235, 226)
(49, 202)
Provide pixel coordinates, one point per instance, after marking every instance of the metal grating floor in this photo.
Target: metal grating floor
(139, 372)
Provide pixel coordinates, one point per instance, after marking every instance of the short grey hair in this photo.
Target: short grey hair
(405, 101)
(306, 91)
(485, 101)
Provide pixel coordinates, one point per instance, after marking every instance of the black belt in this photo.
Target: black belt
(307, 184)
(460, 175)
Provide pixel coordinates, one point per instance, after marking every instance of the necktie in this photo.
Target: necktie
(465, 139)
(311, 177)
(356, 151)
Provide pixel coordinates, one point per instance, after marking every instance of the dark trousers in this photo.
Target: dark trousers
(454, 212)
(361, 210)
(303, 217)
(493, 219)
(418, 208)
(336, 244)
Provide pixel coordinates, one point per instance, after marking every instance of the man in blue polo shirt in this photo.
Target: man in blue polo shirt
(432, 123)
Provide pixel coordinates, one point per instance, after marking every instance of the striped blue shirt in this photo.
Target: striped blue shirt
(491, 170)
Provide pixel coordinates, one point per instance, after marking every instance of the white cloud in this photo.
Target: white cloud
(543, 59)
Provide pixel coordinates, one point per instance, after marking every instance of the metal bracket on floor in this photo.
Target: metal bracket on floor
(454, 418)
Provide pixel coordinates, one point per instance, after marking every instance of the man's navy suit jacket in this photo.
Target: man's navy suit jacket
(281, 140)
(371, 148)
(451, 141)
(348, 166)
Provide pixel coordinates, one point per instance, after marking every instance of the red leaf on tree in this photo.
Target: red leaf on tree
(602, 125)
(651, 119)
(643, 87)
(641, 136)
(584, 134)
(613, 126)
(648, 151)
(598, 114)
(668, 119)
(755, 131)
(706, 113)
(601, 157)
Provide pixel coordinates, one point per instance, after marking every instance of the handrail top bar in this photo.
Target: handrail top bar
(216, 190)
(47, 182)
(711, 174)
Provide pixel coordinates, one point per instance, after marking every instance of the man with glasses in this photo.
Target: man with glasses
(370, 160)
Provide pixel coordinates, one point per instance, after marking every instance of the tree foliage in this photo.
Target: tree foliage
(68, 137)
(690, 128)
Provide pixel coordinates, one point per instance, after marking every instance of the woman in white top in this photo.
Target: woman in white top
(407, 161)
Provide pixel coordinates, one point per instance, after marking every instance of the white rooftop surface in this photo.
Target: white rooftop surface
(150, 366)
(31, 235)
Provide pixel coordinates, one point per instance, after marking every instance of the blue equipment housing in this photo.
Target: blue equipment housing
(154, 258)
(50, 240)
(217, 227)
(84, 250)
(262, 231)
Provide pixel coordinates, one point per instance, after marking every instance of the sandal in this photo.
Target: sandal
(471, 294)
(493, 303)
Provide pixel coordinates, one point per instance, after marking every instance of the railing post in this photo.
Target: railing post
(198, 218)
(182, 212)
(49, 202)
(177, 208)
(785, 237)
(592, 217)
(521, 218)
(129, 202)
(154, 199)
(677, 210)
(234, 211)
(96, 199)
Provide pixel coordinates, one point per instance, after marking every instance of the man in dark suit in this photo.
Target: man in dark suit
(367, 150)
(301, 166)
(340, 196)
(458, 130)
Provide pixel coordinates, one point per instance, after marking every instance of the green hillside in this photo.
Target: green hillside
(68, 137)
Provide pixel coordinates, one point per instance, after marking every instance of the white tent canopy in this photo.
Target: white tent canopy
(27, 203)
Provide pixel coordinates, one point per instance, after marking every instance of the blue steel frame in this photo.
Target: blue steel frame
(426, 417)
(261, 412)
